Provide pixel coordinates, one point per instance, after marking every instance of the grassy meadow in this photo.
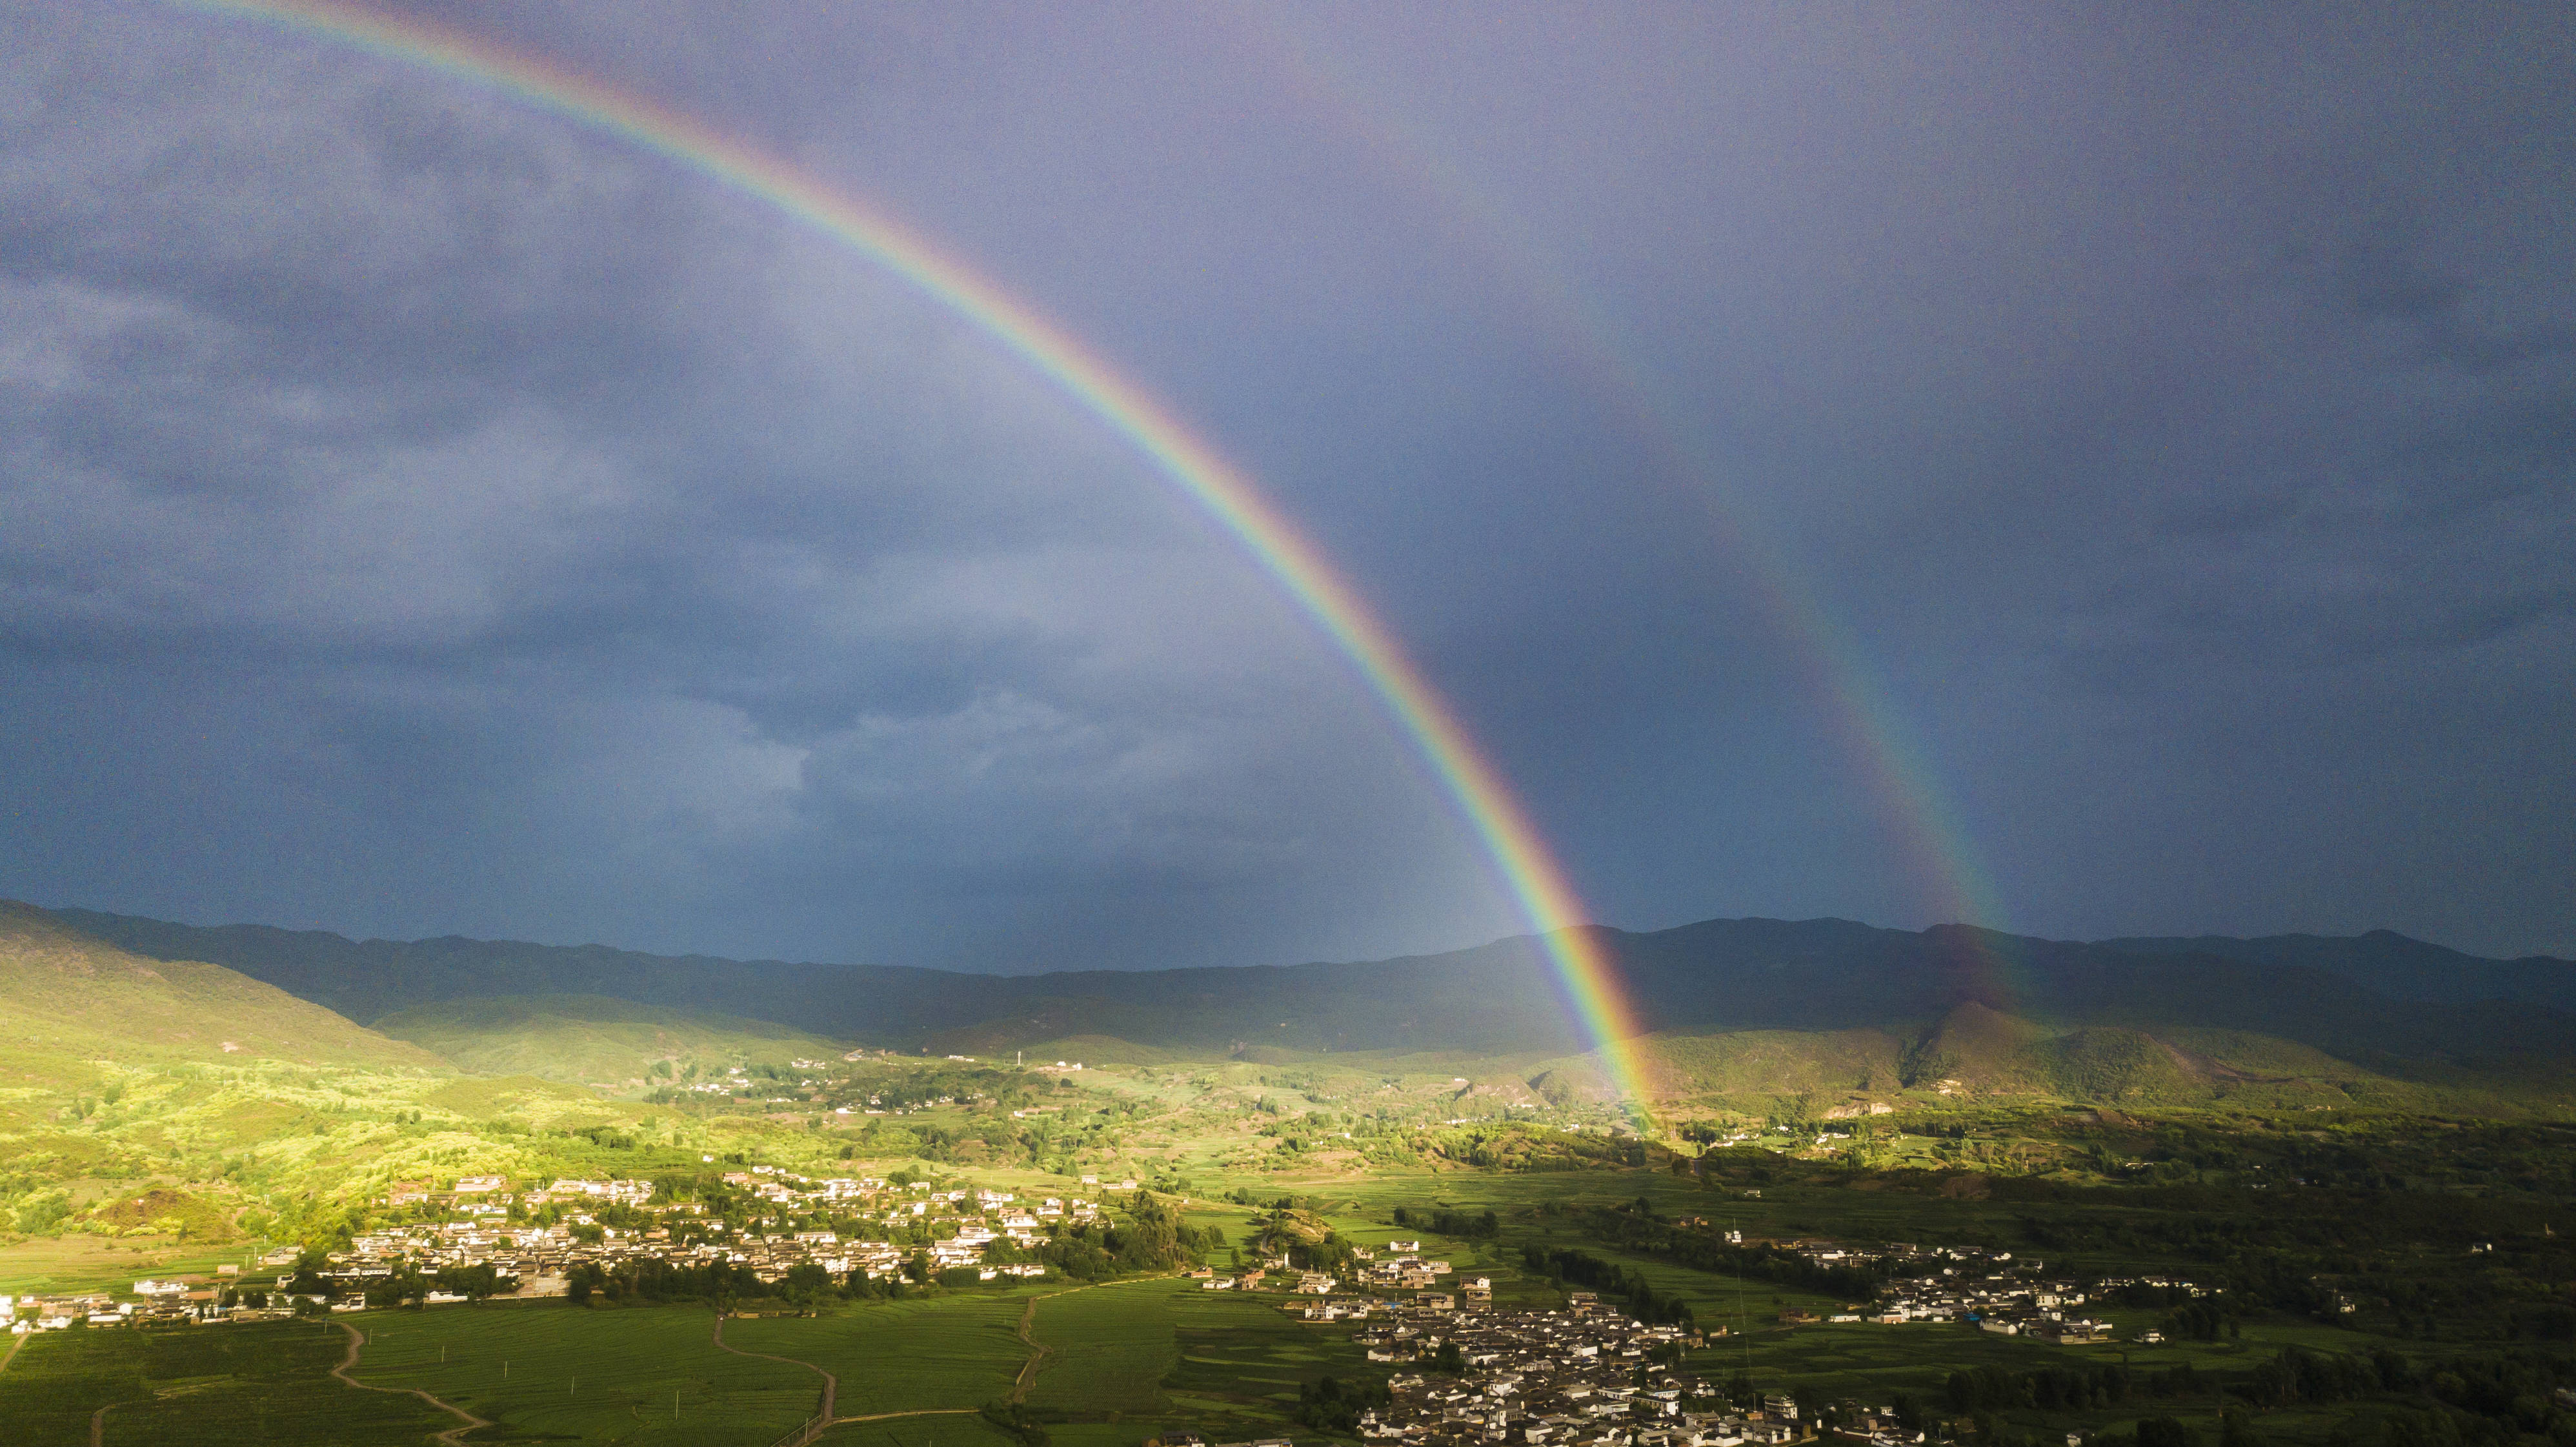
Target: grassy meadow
(97, 1263)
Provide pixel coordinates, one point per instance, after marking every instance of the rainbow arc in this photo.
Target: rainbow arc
(1536, 883)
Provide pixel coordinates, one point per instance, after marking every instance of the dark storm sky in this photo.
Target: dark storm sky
(422, 514)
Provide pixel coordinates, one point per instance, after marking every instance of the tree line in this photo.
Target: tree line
(1618, 1283)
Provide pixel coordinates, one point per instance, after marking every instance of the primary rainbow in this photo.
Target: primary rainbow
(1528, 870)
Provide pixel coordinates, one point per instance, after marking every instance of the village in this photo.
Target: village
(1590, 1376)
(1989, 1290)
(890, 1232)
(1586, 1374)
(1400, 1267)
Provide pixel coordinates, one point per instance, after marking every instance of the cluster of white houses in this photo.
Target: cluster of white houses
(1401, 1266)
(485, 1226)
(1986, 1289)
(1581, 1377)
(177, 1300)
(964, 1224)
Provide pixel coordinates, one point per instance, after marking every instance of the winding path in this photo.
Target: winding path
(1028, 1376)
(452, 1436)
(1039, 1351)
(831, 1384)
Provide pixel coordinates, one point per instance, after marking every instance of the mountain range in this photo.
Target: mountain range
(2373, 997)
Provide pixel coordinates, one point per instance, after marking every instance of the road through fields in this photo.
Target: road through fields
(831, 1383)
(358, 1339)
(1039, 1351)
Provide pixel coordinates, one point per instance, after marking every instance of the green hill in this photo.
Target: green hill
(1975, 1055)
(68, 995)
(151, 1098)
(1780, 1062)
(595, 1040)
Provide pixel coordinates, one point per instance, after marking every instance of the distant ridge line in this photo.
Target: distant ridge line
(2378, 993)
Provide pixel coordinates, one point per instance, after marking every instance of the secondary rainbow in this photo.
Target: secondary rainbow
(1528, 870)
(1951, 878)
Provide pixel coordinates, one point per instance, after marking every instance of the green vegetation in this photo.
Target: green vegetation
(72, 998)
(644, 1374)
(238, 1385)
(950, 1352)
(2375, 1235)
(617, 1045)
(1241, 1371)
(1109, 1348)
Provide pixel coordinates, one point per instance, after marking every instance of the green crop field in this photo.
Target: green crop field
(1241, 1360)
(1109, 1348)
(251, 1384)
(635, 1374)
(904, 1356)
(951, 1429)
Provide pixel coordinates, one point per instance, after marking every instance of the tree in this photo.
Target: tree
(2166, 1432)
(806, 1283)
(471, 1282)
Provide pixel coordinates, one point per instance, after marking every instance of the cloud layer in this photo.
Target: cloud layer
(420, 514)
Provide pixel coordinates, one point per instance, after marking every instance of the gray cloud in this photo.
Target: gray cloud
(510, 537)
(433, 515)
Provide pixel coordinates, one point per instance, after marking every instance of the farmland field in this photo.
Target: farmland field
(634, 1374)
(1109, 1348)
(904, 1356)
(1242, 1359)
(88, 1263)
(947, 1429)
(249, 1384)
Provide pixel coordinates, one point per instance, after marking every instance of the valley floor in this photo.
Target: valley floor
(1116, 1363)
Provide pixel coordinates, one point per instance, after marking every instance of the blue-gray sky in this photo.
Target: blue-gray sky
(420, 514)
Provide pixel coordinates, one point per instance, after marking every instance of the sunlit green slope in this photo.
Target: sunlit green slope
(1974, 1055)
(69, 995)
(187, 1105)
(594, 1040)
